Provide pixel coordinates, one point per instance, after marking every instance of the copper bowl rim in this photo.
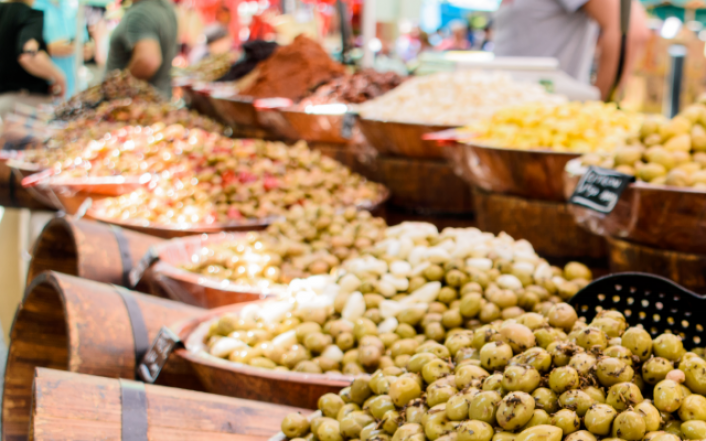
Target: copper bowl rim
(407, 123)
(186, 330)
(170, 270)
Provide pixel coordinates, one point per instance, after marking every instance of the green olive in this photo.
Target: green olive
(404, 390)
(475, 430)
(538, 358)
(330, 404)
(457, 407)
(495, 355)
(494, 382)
(354, 422)
(295, 425)
(566, 420)
(695, 376)
(434, 370)
(471, 305)
(596, 393)
(406, 431)
(612, 371)
(656, 369)
(623, 395)
(439, 393)
(418, 361)
(592, 338)
(415, 410)
(563, 378)
(583, 363)
(599, 418)
(515, 410)
(694, 429)
(539, 417)
(668, 396)
(345, 410)
(360, 389)
(544, 432)
(329, 430)
(629, 425)
(693, 408)
(466, 374)
(581, 435)
(389, 421)
(650, 414)
(483, 406)
(576, 400)
(545, 399)
(668, 346)
(520, 378)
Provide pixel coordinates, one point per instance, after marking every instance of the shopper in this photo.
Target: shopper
(59, 34)
(27, 75)
(145, 42)
(569, 31)
(215, 41)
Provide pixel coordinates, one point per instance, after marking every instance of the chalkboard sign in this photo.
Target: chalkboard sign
(157, 355)
(347, 125)
(599, 189)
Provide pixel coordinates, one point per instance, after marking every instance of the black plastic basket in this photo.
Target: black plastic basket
(655, 303)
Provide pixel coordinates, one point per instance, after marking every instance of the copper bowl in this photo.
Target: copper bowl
(659, 216)
(532, 174)
(238, 380)
(235, 110)
(26, 170)
(402, 139)
(196, 289)
(196, 96)
(313, 127)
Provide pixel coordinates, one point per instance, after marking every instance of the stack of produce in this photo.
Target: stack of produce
(206, 178)
(293, 71)
(210, 68)
(570, 127)
(81, 137)
(116, 85)
(413, 293)
(353, 89)
(668, 152)
(505, 381)
(310, 240)
(453, 99)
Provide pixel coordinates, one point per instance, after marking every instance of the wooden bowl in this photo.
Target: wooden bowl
(533, 174)
(313, 127)
(26, 170)
(659, 216)
(241, 381)
(196, 289)
(402, 139)
(196, 96)
(13, 194)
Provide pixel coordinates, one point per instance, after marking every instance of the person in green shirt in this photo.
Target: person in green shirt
(145, 43)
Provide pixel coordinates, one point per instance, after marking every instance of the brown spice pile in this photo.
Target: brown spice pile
(292, 71)
(355, 89)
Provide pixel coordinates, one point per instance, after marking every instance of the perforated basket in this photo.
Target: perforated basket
(655, 303)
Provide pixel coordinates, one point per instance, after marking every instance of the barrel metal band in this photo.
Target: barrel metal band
(134, 411)
(137, 323)
(124, 249)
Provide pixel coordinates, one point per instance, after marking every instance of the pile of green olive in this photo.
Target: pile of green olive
(546, 376)
(379, 311)
(310, 240)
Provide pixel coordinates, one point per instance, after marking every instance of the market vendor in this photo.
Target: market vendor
(145, 42)
(570, 30)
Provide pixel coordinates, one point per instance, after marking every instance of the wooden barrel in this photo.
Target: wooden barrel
(548, 226)
(90, 250)
(243, 381)
(88, 327)
(68, 406)
(12, 194)
(686, 269)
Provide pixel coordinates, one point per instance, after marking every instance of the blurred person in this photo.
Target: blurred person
(145, 42)
(215, 40)
(571, 31)
(27, 74)
(458, 40)
(59, 34)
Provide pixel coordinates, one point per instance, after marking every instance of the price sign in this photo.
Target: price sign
(347, 125)
(157, 355)
(599, 189)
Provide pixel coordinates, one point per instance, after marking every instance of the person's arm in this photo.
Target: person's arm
(60, 48)
(38, 63)
(146, 59)
(607, 14)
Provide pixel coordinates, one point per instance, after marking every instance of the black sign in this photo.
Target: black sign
(599, 189)
(157, 355)
(347, 125)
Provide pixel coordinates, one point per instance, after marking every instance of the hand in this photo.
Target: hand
(58, 88)
(88, 50)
